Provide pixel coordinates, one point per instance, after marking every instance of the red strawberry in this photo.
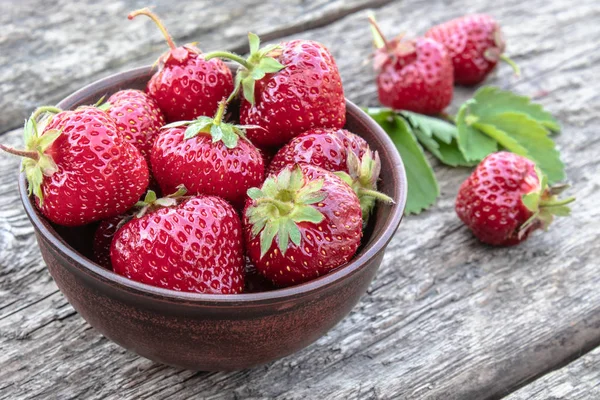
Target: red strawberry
(103, 238)
(504, 200)
(189, 245)
(414, 75)
(303, 223)
(186, 85)
(340, 151)
(288, 89)
(475, 44)
(80, 168)
(207, 157)
(255, 282)
(138, 118)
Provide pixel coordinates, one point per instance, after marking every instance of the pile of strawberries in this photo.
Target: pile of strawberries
(277, 195)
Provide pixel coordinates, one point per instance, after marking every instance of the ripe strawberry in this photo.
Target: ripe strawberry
(207, 157)
(255, 282)
(414, 75)
(103, 238)
(301, 224)
(288, 89)
(138, 118)
(80, 168)
(190, 245)
(506, 198)
(186, 85)
(339, 151)
(475, 44)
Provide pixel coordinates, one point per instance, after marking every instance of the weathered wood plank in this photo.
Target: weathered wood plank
(445, 318)
(578, 380)
(48, 52)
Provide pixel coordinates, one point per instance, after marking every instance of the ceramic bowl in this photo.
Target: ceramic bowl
(215, 332)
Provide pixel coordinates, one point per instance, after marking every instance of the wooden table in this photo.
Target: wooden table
(445, 318)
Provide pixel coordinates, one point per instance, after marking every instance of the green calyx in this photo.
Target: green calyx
(363, 177)
(36, 163)
(221, 131)
(259, 63)
(281, 204)
(545, 204)
(151, 202)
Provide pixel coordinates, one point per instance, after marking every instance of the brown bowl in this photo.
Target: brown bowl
(215, 332)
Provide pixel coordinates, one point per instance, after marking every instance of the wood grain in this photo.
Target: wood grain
(48, 52)
(578, 380)
(446, 317)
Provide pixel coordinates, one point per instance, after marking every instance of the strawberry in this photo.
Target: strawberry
(207, 157)
(288, 89)
(186, 85)
(506, 198)
(189, 244)
(103, 238)
(138, 118)
(414, 75)
(80, 168)
(339, 151)
(255, 282)
(302, 223)
(475, 44)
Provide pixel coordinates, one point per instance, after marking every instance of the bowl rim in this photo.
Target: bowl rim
(89, 267)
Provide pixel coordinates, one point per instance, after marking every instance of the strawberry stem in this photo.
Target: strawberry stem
(21, 153)
(556, 203)
(147, 12)
(220, 111)
(378, 38)
(375, 194)
(229, 56)
(45, 109)
(513, 64)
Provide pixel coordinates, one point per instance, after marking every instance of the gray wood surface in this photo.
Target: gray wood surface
(445, 318)
(578, 380)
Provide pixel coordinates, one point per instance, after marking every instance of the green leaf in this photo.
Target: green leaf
(473, 144)
(269, 187)
(283, 235)
(257, 74)
(491, 100)
(216, 132)
(423, 188)
(294, 232)
(192, 131)
(267, 235)
(230, 138)
(248, 88)
(531, 201)
(525, 136)
(560, 211)
(47, 139)
(306, 214)
(296, 179)
(254, 41)
(283, 179)
(270, 65)
(255, 193)
(431, 127)
(176, 124)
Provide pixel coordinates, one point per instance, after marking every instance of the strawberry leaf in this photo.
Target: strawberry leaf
(491, 100)
(306, 214)
(254, 42)
(473, 144)
(524, 136)
(267, 235)
(423, 188)
(431, 127)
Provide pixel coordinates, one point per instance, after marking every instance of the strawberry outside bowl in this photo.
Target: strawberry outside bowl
(215, 332)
